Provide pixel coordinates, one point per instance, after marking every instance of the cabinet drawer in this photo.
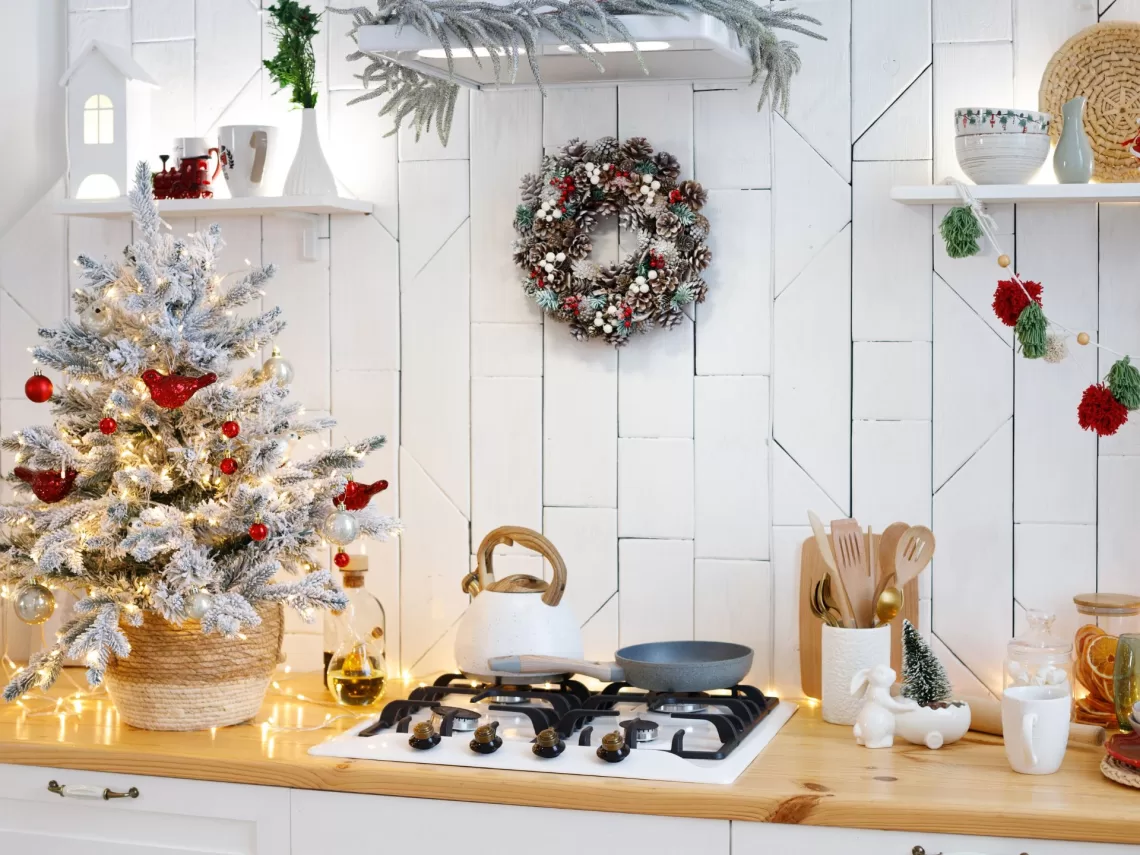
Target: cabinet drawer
(376, 825)
(758, 838)
(170, 815)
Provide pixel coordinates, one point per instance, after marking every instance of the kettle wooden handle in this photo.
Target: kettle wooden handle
(508, 535)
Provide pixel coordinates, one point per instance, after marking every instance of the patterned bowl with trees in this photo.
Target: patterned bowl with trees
(999, 120)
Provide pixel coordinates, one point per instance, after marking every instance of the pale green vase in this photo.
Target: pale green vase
(1073, 159)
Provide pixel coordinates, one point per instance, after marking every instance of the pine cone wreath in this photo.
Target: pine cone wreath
(700, 258)
(635, 218)
(692, 194)
(531, 190)
(580, 245)
(667, 165)
(637, 149)
(668, 225)
(575, 149)
(604, 150)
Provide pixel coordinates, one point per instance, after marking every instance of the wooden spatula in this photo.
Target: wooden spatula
(854, 572)
(915, 549)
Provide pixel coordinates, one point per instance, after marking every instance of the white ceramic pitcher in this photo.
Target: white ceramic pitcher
(518, 615)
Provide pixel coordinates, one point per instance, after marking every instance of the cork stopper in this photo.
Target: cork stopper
(352, 574)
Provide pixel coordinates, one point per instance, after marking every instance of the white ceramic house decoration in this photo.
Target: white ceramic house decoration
(108, 120)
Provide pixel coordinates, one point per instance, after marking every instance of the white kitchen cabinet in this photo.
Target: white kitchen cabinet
(170, 816)
(758, 838)
(370, 825)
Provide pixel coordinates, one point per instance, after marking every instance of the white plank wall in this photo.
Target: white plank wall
(842, 362)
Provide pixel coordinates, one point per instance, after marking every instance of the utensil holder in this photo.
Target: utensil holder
(845, 653)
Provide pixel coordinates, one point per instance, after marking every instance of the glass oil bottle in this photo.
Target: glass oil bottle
(356, 670)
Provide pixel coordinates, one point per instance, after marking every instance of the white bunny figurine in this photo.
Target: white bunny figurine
(875, 726)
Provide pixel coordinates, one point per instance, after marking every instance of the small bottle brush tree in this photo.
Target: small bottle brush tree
(150, 522)
(924, 678)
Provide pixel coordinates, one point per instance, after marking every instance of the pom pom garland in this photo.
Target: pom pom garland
(1099, 411)
(1010, 299)
(1055, 348)
(961, 230)
(1032, 331)
(1124, 381)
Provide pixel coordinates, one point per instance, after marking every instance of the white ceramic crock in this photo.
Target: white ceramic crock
(1001, 158)
(934, 726)
(844, 653)
(518, 615)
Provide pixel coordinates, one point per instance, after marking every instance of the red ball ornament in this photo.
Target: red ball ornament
(1099, 411)
(38, 388)
(259, 531)
(1010, 300)
(108, 426)
(228, 465)
(174, 390)
(341, 559)
(231, 429)
(357, 496)
(49, 485)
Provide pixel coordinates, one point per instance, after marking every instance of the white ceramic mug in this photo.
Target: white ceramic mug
(191, 147)
(1035, 727)
(248, 153)
(844, 653)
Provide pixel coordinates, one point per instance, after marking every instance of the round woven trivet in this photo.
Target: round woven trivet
(1114, 770)
(1101, 62)
(176, 678)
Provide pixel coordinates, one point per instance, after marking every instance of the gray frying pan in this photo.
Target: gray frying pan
(659, 666)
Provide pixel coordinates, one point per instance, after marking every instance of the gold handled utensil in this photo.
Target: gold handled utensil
(888, 604)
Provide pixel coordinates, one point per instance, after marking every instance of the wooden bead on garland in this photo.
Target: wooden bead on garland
(1003, 260)
(1082, 338)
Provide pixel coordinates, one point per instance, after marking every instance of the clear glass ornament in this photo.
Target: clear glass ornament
(198, 605)
(356, 667)
(341, 528)
(35, 604)
(1038, 657)
(278, 369)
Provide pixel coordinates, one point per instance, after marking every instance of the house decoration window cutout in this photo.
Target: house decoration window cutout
(98, 121)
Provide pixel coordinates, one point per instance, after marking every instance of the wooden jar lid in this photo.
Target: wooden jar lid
(1108, 604)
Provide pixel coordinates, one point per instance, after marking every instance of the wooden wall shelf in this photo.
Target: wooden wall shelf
(942, 194)
(245, 206)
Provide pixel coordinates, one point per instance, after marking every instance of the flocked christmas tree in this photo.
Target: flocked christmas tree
(924, 679)
(165, 484)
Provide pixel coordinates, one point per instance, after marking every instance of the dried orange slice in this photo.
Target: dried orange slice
(1101, 656)
(1084, 635)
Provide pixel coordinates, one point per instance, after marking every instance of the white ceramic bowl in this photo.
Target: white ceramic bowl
(1001, 158)
(969, 121)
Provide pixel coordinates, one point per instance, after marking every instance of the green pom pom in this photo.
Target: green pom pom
(1032, 331)
(961, 231)
(1124, 383)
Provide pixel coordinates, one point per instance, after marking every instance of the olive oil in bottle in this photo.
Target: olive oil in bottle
(356, 670)
(356, 677)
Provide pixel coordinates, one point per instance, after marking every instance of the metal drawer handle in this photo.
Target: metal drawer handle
(83, 791)
(918, 850)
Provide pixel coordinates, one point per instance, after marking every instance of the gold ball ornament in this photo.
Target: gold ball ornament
(1082, 338)
(1003, 260)
(277, 369)
(35, 604)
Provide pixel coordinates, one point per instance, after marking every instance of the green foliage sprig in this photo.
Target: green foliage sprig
(294, 65)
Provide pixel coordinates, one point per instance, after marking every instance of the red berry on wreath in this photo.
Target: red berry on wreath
(228, 465)
(231, 429)
(259, 531)
(341, 559)
(38, 388)
(108, 426)
(1010, 300)
(1100, 411)
(674, 197)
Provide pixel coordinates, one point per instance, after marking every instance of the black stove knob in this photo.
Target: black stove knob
(548, 744)
(487, 739)
(424, 736)
(613, 748)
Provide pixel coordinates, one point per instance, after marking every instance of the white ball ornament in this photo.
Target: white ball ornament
(277, 369)
(97, 318)
(341, 528)
(198, 605)
(35, 604)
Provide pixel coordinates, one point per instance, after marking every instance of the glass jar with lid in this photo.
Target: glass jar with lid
(1038, 657)
(1104, 618)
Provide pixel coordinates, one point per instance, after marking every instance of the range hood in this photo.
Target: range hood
(700, 48)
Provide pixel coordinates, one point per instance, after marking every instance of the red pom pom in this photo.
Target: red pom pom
(108, 426)
(259, 531)
(1010, 300)
(228, 465)
(38, 388)
(1100, 411)
(231, 429)
(341, 559)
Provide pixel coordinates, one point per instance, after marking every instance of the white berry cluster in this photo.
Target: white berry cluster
(549, 211)
(594, 172)
(649, 187)
(551, 258)
(640, 285)
(600, 320)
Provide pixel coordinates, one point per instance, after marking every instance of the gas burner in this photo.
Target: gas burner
(681, 707)
(462, 720)
(507, 699)
(641, 729)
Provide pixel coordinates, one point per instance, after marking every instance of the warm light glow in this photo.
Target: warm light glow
(618, 47)
(98, 186)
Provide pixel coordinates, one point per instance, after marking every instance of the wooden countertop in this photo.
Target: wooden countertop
(812, 773)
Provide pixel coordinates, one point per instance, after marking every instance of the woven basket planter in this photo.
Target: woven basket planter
(176, 678)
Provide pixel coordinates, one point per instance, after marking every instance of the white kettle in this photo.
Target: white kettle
(518, 615)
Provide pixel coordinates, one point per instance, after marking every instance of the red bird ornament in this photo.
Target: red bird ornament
(173, 390)
(356, 496)
(49, 485)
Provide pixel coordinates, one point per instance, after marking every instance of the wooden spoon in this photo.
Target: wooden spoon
(853, 570)
(915, 549)
(888, 543)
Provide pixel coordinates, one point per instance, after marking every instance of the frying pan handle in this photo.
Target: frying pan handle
(610, 671)
(512, 534)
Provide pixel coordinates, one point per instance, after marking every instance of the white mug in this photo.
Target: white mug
(247, 156)
(191, 147)
(1035, 727)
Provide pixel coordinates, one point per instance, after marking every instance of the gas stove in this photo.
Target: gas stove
(619, 731)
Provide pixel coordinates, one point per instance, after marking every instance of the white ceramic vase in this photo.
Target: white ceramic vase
(934, 726)
(846, 652)
(310, 174)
